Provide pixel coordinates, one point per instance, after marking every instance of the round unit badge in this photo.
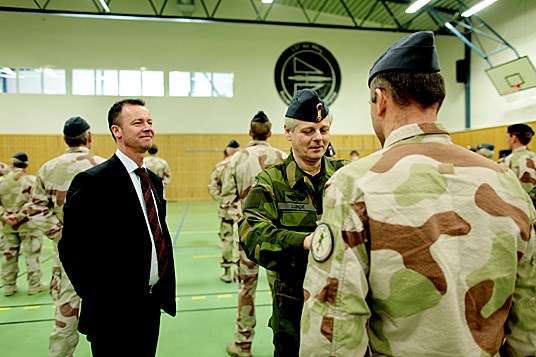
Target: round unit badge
(322, 243)
(307, 65)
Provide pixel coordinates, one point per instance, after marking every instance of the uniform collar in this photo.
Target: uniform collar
(295, 174)
(73, 149)
(412, 130)
(257, 142)
(521, 148)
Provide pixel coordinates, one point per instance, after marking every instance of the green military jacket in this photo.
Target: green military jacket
(280, 210)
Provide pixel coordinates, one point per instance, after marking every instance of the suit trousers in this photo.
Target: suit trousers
(135, 334)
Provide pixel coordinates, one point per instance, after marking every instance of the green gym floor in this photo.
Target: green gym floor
(206, 306)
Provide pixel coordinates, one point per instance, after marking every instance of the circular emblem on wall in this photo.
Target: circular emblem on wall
(307, 65)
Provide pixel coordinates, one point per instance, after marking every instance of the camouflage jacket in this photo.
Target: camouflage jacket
(51, 185)
(523, 162)
(282, 207)
(4, 169)
(159, 166)
(215, 185)
(241, 171)
(15, 188)
(433, 254)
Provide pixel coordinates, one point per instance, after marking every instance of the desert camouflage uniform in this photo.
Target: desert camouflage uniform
(523, 162)
(15, 190)
(433, 255)
(160, 167)
(237, 179)
(281, 209)
(225, 213)
(48, 197)
(4, 169)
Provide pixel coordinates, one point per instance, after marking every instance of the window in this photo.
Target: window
(54, 81)
(201, 84)
(152, 83)
(8, 80)
(179, 84)
(83, 82)
(222, 84)
(107, 81)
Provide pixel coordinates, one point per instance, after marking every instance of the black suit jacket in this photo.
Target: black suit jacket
(105, 247)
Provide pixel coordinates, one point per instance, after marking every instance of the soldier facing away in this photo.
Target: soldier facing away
(424, 248)
(225, 212)
(17, 236)
(281, 210)
(48, 198)
(237, 179)
(521, 160)
(158, 165)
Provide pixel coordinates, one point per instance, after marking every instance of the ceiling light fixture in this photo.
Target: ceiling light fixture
(267, 1)
(477, 8)
(416, 6)
(104, 6)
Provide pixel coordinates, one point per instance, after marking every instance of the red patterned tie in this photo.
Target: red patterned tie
(163, 259)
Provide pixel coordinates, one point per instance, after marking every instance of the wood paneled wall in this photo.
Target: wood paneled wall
(193, 156)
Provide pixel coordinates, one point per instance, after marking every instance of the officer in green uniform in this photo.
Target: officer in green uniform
(281, 211)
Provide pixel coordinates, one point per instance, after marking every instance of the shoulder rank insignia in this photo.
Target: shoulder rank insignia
(322, 243)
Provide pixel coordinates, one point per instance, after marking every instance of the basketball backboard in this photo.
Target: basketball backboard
(513, 76)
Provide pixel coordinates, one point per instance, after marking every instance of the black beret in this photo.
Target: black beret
(260, 117)
(19, 157)
(486, 146)
(153, 149)
(75, 126)
(520, 128)
(471, 148)
(233, 144)
(306, 105)
(415, 53)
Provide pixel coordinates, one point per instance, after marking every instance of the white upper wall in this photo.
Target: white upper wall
(249, 51)
(515, 21)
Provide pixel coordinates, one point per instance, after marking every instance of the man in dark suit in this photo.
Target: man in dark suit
(116, 247)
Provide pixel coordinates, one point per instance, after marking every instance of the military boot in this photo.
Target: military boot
(226, 275)
(10, 289)
(234, 350)
(37, 288)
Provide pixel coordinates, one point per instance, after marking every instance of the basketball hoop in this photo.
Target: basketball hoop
(513, 88)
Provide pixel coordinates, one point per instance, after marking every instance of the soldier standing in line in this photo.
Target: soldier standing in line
(237, 179)
(158, 165)
(424, 248)
(45, 211)
(282, 208)
(225, 212)
(522, 161)
(17, 237)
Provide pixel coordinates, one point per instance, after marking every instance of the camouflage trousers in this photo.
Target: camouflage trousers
(64, 337)
(12, 246)
(227, 237)
(247, 277)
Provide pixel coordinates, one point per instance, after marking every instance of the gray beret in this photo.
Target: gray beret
(75, 126)
(415, 53)
(306, 105)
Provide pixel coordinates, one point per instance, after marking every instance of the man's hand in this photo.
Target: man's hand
(307, 242)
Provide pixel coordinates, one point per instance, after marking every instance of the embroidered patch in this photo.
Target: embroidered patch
(322, 243)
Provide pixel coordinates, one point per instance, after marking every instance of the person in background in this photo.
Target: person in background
(45, 211)
(115, 245)
(225, 212)
(354, 155)
(237, 179)
(158, 165)
(424, 248)
(471, 148)
(522, 160)
(503, 154)
(281, 210)
(485, 150)
(17, 238)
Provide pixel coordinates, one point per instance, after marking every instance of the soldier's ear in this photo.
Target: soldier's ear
(288, 133)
